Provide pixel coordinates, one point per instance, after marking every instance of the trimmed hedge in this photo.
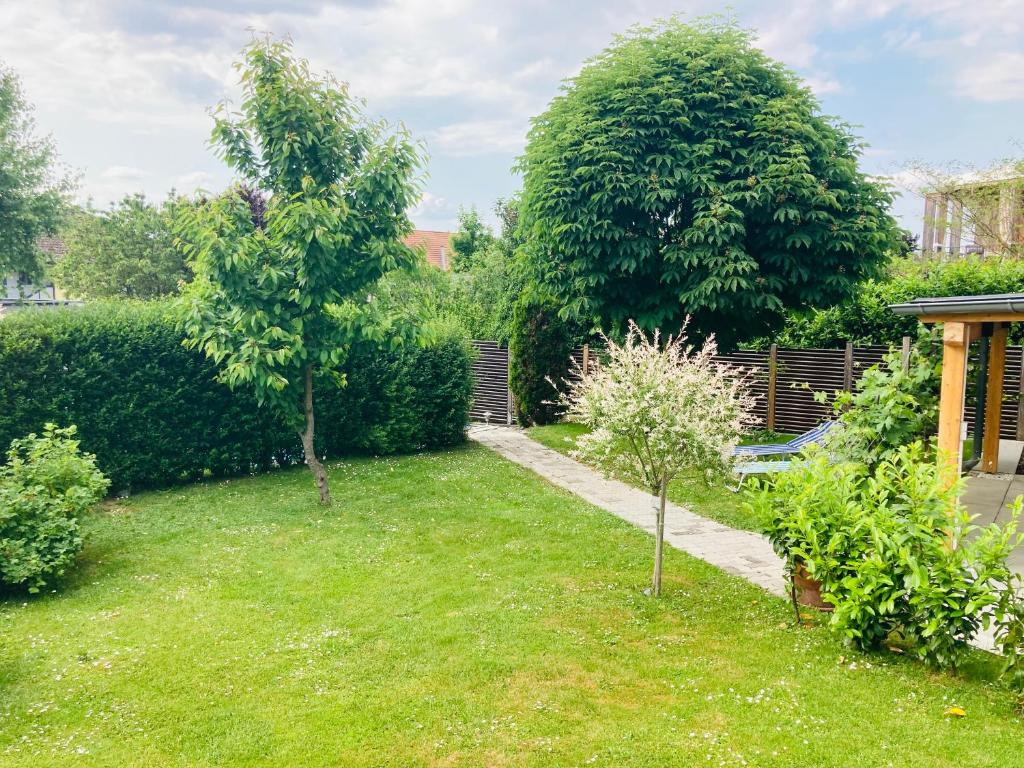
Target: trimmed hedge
(867, 319)
(153, 414)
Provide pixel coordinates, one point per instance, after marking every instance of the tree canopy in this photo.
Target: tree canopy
(286, 267)
(32, 190)
(470, 241)
(125, 252)
(684, 172)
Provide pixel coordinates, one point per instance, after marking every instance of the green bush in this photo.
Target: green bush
(152, 413)
(540, 348)
(867, 319)
(889, 407)
(45, 486)
(890, 556)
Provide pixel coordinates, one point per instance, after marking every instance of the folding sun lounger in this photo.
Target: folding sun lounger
(797, 444)
(745, 469)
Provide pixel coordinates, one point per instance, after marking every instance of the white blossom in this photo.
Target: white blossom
(657, 409)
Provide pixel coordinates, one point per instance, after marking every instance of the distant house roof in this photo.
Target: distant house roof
(53, 246)
(436, 244)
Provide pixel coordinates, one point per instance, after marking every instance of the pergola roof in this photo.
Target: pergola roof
(965, 319)
(1001, 306)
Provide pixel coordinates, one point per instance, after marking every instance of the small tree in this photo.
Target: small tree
(125, 252)
(33, 194)
(470, 241)
(658, 410)
(284, 281)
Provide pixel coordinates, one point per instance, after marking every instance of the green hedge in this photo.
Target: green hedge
(540, 347)
(152, 413)
(867, 319)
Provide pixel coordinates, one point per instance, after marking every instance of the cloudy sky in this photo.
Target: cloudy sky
(124, 86)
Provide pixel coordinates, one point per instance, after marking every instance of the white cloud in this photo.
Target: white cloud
(479, 137)
(999, 77)
(822, 85)
(433, 207)
(123, 173)
(125, 85)
(188, 183)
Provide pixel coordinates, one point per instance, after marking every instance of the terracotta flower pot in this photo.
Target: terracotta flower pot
(808, 590)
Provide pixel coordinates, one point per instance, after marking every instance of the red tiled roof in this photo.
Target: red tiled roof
(51, 245)
(437, 245)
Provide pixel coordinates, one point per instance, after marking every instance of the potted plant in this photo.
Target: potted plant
(813, 519)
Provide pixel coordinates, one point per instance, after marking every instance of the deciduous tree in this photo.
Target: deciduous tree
(284, 282)
(683, 172)
(33, 190)
(470, 241)
(126, 252)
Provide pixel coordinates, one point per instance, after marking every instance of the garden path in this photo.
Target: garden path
(741, 553)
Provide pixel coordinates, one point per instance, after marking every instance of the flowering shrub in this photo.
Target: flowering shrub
(657, 409)
(44, 488)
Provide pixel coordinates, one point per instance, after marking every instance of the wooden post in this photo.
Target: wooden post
(586, 360)
(994, 399)
(773, 370)
(905, 354)
(848, 367)
(955, 338)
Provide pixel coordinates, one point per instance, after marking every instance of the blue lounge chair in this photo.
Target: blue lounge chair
(745, 469)
(797, 444)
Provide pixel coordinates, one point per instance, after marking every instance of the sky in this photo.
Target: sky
(124, 87)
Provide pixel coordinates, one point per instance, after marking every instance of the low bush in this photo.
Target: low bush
(153, 414)
(895, 554)
(45, 486)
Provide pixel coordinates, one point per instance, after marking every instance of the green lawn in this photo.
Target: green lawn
(716, 502)
(452, 610)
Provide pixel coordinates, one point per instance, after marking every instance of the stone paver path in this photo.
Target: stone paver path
(742, 553)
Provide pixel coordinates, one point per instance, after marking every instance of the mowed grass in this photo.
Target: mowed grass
(451, 610)
(715, 501)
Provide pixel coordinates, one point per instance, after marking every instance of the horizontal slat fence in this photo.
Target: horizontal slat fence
(782, 380)
(492, 401)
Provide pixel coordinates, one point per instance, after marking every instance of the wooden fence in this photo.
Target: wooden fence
(492, 399)
(784, 381)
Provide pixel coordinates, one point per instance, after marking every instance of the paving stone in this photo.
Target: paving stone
(742, 553)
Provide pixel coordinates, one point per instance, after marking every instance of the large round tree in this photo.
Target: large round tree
(684, 172)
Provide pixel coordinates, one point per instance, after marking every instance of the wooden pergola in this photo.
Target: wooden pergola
(967, 319)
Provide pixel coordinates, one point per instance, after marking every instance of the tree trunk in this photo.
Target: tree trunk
(659, 538)
(308, 449)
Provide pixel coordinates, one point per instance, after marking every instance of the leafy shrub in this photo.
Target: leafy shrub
(44, 488)
(889, 408)
(152, 413)
(1009, 635)
(894, 551)
(539, 353)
